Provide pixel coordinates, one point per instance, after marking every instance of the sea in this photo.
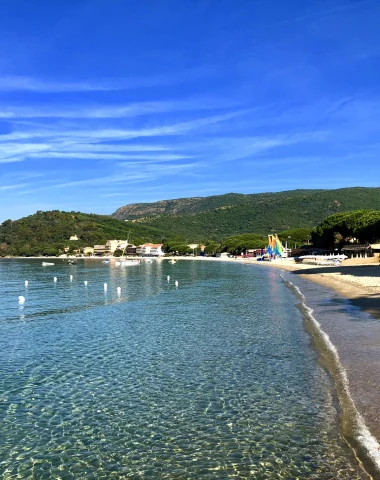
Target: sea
(215, 378)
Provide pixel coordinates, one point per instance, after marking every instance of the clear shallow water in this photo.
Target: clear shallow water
(214, 380)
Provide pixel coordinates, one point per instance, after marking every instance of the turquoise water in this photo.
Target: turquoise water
(215, 379)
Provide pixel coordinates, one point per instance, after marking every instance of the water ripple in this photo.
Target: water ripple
(213, 380)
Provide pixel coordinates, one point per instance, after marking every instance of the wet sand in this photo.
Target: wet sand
(356, 337)
(360, 283)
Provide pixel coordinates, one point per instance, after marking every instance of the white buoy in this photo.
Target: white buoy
(118, 291)
(168, 277)
(105, 287)
(176, 284)
(55, 279)
(21, 299)
(71, 278)
(86, 283)
(26, 283)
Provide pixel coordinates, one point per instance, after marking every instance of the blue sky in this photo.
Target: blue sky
(108, 103)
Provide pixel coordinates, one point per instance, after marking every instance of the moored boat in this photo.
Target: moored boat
(127, 263)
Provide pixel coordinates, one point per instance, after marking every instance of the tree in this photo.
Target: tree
(211, 247)
(361, 224)
(240, 243)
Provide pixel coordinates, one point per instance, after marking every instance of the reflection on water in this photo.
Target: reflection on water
(213, 380)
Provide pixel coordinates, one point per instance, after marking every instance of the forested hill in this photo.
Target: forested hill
(179, 206)
(186, 220)
(47, 233)
(218, 217)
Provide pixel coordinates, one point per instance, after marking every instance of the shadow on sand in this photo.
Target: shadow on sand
(370, 301)
(358, 271)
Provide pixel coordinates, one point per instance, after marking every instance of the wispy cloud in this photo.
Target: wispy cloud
(322, 13)
(114, 111)
(119, 133)
(108, 156)
(136, 175)
(13, 186)
(11, 83)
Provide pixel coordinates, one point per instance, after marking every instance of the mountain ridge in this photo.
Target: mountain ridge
(219, 216)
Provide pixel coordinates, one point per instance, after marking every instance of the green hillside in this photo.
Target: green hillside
(179, 206)
(222, 216)
(47, 233)
(183, 221)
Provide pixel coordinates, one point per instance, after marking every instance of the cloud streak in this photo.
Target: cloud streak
(11, 83)
(114, 111)
(120, 133)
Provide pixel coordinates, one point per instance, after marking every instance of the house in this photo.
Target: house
(357, 251)
(74, 237)
(123, 245)
(112, 245)
(100, 250)
(131, 250)
(151, 249)
(376, 249)
(88, 251)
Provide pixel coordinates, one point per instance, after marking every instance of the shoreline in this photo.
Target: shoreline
(350, 351)
(359, 283)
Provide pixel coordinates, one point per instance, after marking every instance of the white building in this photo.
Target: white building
(113, 245)
(152, 249)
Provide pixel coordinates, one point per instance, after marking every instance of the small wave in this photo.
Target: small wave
(355, 432)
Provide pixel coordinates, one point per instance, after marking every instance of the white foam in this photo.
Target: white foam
(365, 437)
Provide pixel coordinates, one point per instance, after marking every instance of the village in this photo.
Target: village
(115, 248)
(118, 248)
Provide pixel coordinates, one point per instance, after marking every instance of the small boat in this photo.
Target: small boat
(47, 264)
(123, 261)
(172, 261)
(148, 260)
(105, 261)
(129, 263)
(72, 262)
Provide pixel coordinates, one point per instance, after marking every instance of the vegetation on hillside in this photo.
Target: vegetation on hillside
(219, 217)
(291, 215)
(48, 233)
(295, 237)
(364, 225)
(240, 243)
(179, 206)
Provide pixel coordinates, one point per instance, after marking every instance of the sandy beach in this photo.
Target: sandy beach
(357, 341)
(360, 283)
